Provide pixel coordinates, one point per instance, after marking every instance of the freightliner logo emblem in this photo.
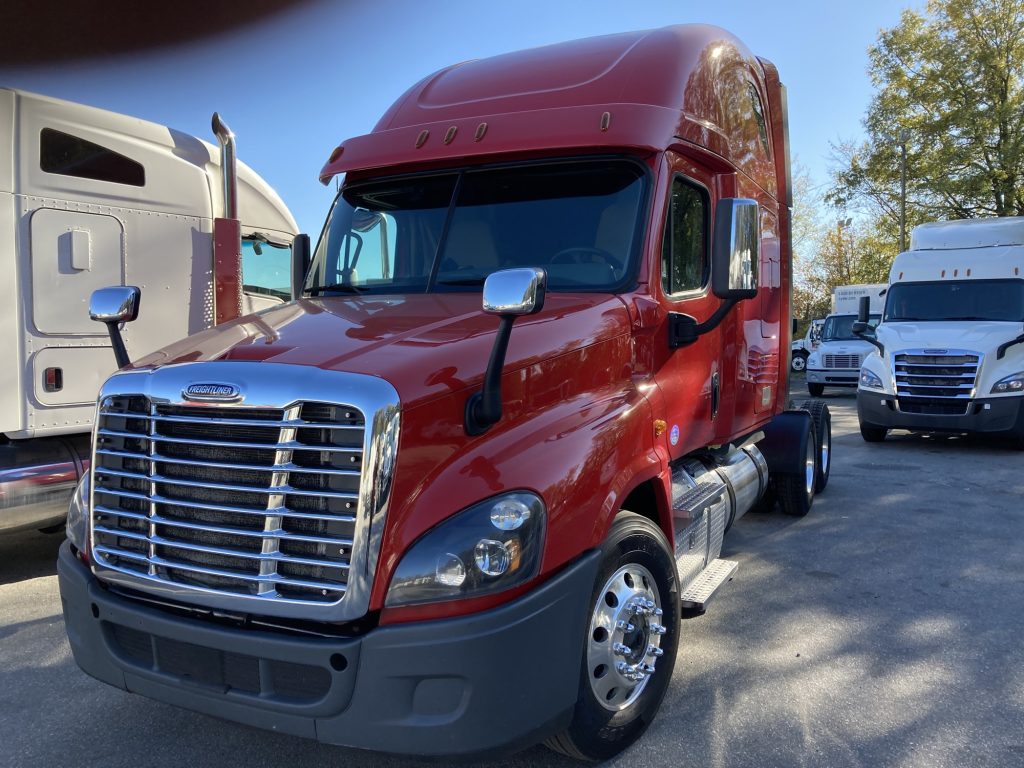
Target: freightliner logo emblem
(221, 392)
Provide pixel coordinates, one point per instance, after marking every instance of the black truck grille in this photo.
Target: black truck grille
(251, 501)
(932, 376)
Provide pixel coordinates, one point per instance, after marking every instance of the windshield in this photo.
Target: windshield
(1000, 300)
(581, 220)
(840, 327)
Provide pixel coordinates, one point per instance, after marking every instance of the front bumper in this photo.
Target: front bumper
(497, 680)
(992, 415)
(833, 377)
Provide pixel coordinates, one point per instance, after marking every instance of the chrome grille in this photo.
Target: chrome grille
(260, 502)
(842, 361)
(935, 375)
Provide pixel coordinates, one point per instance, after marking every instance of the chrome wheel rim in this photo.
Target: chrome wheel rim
(826, 447)
(625, 637)
(809, 466)
(799, 363)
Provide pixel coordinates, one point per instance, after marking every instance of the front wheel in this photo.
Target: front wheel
(816, 390)
(799, 361)
(873, 434)
(631, 643)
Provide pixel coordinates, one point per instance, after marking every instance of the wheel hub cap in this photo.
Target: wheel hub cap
(625, 637)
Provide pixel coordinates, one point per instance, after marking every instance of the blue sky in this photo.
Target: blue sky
(296, 86)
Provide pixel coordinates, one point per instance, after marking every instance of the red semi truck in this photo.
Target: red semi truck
(456, 495)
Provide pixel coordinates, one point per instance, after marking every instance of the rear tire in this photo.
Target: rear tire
(601, 729)
(816, 390)
(823, 439)
(795, 490)
(872, 434)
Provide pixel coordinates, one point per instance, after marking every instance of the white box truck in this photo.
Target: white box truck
(949, 355)
(91, 198)
(837, 359)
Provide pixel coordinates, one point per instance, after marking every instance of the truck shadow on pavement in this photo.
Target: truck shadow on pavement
(28, 555)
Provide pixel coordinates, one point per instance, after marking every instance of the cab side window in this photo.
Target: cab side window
(266, 267)
(684, 257)
(68, 155)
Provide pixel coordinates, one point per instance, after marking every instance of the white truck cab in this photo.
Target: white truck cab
(88, 199)
(837, 360)
(950, 354)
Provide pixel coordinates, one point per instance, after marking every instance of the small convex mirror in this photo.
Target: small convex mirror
(116, 304)
(515, 291)
(736, 252)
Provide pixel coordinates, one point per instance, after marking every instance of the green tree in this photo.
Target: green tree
(950, 83)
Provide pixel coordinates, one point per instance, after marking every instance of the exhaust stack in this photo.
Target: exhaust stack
(229, 169)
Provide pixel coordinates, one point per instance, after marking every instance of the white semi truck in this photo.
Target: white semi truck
(90, 198)
(949, 354)
(836, 360)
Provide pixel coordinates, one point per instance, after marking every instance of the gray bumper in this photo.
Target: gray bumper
(498, 680)
(992, 415)
(833, 377)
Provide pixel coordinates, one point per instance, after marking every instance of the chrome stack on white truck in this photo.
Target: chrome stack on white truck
(836, 360)
(950, 348)
(91, 198)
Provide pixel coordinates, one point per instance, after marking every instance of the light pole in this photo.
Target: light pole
(903, 189)
(845, 224)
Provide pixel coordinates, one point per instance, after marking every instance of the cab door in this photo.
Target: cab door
(689, 377)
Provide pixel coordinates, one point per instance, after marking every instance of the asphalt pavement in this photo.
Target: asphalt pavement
(883, 629)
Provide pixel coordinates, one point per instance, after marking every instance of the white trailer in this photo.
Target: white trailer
(949, 352)
(91, 198)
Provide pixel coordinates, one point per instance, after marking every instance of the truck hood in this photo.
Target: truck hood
(425, 345)
(973, 335)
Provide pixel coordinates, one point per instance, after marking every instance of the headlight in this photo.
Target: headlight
(868, 380)
(77, 525)
(489, 547)
(813, 361)
(1013, 383)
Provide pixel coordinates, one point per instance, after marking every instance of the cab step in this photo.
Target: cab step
(699, 593)
(691, 502)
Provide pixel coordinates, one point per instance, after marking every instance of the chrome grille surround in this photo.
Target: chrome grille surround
(287, 493)
(940, 382)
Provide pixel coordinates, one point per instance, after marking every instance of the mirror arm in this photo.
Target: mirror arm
(483, 408)
(683, 329)
(117, 342)
(1001, 349)
(872, 341)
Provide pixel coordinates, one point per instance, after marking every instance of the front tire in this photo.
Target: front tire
(872, 434)
(799, 361)
(816, 390)
(631, 643)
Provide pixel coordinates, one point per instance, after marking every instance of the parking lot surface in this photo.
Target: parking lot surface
(884, 629)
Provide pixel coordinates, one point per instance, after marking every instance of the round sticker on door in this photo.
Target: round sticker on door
(673, 436)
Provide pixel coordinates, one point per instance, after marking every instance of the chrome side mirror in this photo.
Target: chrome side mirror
(737, 245)
(515, 292)
(113, 306)
(507, 294)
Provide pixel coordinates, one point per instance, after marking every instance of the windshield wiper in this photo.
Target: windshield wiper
(463, 281)
(336, 287)
(970, 317)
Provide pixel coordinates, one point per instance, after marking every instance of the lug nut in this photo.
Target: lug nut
(624, 625)
(655, 651)
(646, 669)
(657, 629)
(658, 612)
(620, 650)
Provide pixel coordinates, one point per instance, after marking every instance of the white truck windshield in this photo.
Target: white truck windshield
(581, 220)
(998, 300)
(840, 327)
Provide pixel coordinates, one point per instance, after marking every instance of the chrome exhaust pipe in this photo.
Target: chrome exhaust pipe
(229, 165)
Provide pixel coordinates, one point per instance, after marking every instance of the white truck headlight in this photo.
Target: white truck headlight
(1011, 384)
(489, 547)
(814, 361)
(77, 525)
(868, 380)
